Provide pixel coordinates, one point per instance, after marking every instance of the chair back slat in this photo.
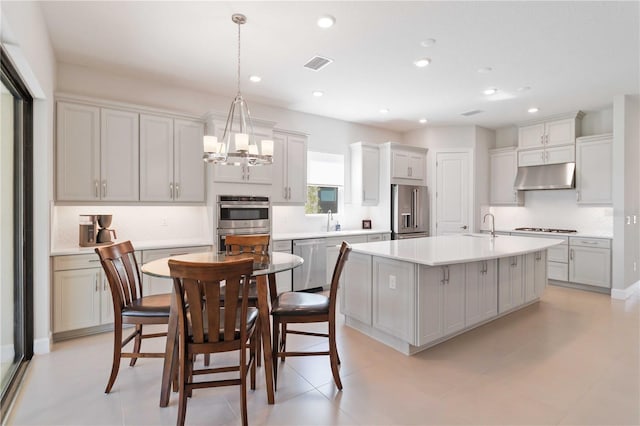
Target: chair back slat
(252, 244)
(197, 290)
(121, 269)
(343, 255)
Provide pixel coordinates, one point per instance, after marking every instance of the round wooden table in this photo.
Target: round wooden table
(265, 268)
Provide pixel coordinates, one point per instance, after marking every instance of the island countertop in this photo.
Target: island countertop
(452, 249)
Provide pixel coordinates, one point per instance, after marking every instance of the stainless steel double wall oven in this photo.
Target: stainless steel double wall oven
(242, 215)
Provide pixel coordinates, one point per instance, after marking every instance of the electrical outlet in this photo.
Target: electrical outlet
(392, 282)
(163, 221)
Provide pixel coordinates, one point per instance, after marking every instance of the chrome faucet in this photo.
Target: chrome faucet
(493, 223)
(329, 219)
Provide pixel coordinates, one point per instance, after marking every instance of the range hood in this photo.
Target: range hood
(548, 176)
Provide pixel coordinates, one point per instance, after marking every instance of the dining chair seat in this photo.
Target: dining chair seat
(299, 303)
(149, 306)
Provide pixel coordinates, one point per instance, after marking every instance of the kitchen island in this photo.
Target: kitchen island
(415, 293)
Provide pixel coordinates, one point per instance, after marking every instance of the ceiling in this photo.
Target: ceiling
(572, 55)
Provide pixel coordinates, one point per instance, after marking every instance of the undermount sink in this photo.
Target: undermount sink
(478, 235)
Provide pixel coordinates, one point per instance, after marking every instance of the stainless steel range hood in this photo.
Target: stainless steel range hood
(548, 176)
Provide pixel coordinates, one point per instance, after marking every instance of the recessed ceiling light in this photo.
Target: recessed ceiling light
(422, 62)
(523, 88)
(326, 21)
(490, 91)
(532, 110)
(422, 120)
(485, 70)
(428, 42)
(384, 111)
(255, 78)
(318, 93)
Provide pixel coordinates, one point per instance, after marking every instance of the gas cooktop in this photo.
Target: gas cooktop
(557, 231)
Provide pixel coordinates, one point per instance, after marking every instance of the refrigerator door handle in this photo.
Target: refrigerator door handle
(416, 209)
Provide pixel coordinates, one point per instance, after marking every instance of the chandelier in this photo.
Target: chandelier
(238, 146)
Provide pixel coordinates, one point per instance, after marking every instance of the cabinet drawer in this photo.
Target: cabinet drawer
(590, 242)
(558, 271)
(149, 255)
(284, 246)
(351, 239)
(559, 253)
(79, 261)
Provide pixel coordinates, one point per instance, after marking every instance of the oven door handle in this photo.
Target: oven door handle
(244, 206)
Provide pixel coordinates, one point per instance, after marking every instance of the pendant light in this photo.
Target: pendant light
(238, 146)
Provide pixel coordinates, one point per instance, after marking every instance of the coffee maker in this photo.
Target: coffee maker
(94, 230)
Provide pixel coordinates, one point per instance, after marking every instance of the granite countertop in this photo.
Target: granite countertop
(325, 234)
(138, 245)
(451, 249)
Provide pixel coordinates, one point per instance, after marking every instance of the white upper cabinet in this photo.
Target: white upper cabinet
(553, 155)
(550, 133)
(503, 169)
(594, 169)
(407, 165)
(77, 152)
(171, 166)
(290, 168)
(119, 150)
(365, 173)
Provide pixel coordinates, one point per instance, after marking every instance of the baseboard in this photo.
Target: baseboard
(42, 346)
(622, 294)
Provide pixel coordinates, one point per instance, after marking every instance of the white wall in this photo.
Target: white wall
(485, 140)
(23, 28)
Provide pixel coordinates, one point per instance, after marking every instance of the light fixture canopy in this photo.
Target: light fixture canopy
(239, 129)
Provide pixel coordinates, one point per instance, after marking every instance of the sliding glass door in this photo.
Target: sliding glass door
(16, 306)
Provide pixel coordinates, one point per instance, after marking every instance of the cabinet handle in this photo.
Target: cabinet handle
(542, 157)
(541, 139)
(96, 190)
(104, 188)
(104, 284)
(177, 191)
(444, 275)
(171, 190)
(284, 190)
(588, 242)
(546, 156)
(410, 171)
(95, 281)
(289, 195)
(363, 195)
(577, 195)
(514, 261)
(571, 254)
(515, 195)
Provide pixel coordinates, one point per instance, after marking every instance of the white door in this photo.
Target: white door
(452, 192)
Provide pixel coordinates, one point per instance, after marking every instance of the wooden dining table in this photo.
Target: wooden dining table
(264, 270)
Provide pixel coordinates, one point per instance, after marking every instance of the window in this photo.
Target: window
(325, 179)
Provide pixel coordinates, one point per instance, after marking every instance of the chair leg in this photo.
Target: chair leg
(243, 384)
(258, 348)
(136, 344)
(283, 341)
(252, 354)
(117, 350)
(182, 396)
(207, 359)
(275, 347)
(333, 355)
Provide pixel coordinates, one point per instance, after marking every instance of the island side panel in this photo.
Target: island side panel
(356, 288)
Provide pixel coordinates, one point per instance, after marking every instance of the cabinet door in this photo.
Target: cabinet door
(156, 158)
(453, 303)
(591, 266)
(529, 277)
(560, 132)
(416, 166)
(77, 152)
(541, 275)
(430, 296)
(394, 297)
(370, 178)
(106, 301)
(400, 165)
(531, 136)
(119, 147)
(481, 291)
(504, 167)
(297, 169)
(76, 299)
(279, 190)
(594, 172)
(510, 283)
(535, 157)
(188, 167)
(560, 154)
(356, 291)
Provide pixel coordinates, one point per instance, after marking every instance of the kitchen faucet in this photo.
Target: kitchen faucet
(329, 219)
(493, 223)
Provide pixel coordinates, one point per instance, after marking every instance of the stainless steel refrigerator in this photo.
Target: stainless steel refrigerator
(409, 212)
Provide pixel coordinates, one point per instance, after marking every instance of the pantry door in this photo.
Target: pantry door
(452, 192)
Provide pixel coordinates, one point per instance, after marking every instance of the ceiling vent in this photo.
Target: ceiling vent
(317, 63)
(470, 113)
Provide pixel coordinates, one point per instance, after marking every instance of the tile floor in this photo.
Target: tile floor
(571, 359)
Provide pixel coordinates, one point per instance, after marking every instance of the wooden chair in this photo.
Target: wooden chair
(129, 305)
(300, 307)
(205, 327)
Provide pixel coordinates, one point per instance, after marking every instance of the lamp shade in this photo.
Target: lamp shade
(210, 143)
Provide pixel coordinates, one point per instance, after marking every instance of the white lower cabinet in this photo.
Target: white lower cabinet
(393, 297)
(154, 285)
(284, 279)
(510, 283)
(481, 291)
(441, 302)
(333, 249)
(535, 275)
(590, 261)
(356, 291)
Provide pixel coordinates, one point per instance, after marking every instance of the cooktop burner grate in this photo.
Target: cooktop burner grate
(557, 231)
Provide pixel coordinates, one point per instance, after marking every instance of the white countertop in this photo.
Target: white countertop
(325, 234)
(138, 245)
(450, 249)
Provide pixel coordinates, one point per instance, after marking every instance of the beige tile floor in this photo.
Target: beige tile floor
(572, 359)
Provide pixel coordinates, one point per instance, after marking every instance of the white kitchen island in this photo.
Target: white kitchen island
(415, 293)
